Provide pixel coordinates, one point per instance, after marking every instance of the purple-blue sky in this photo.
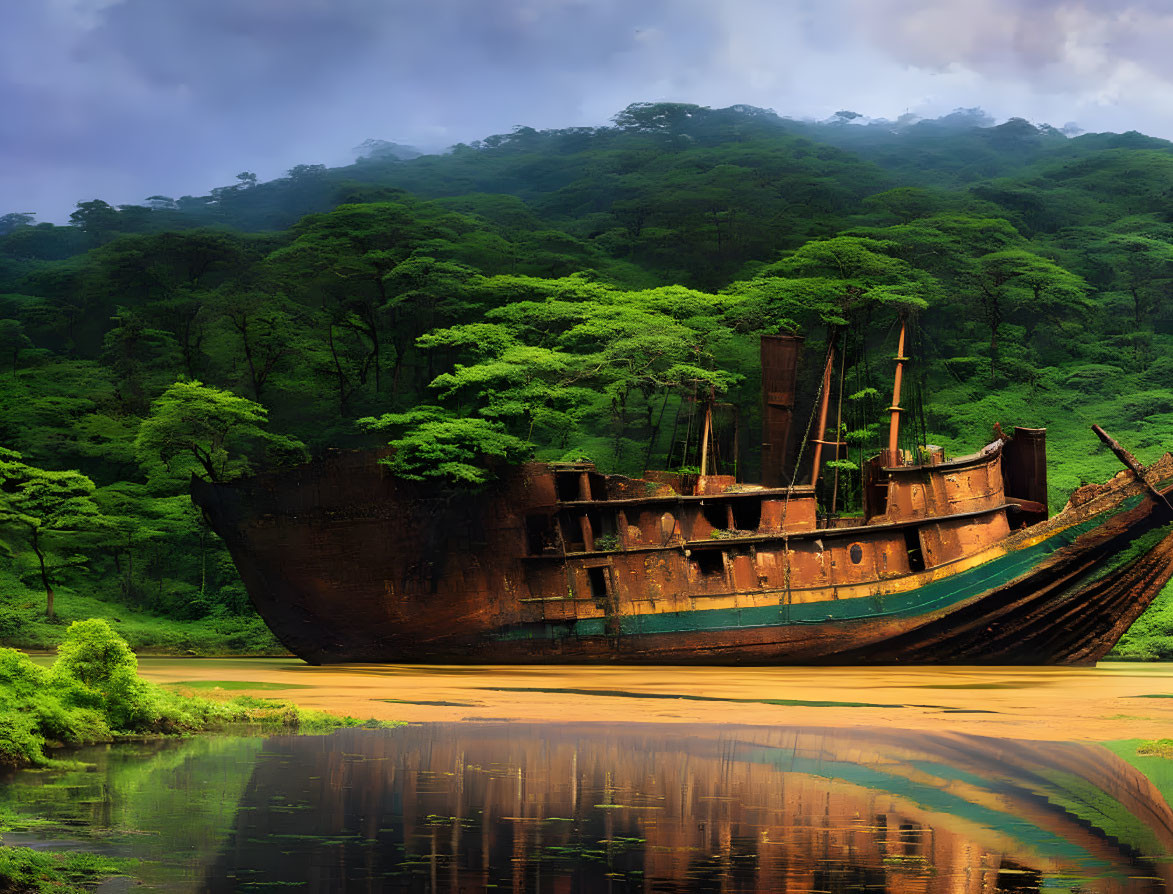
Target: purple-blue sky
(122, 99)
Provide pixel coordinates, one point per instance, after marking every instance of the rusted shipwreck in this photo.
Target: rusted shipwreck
(953, 560)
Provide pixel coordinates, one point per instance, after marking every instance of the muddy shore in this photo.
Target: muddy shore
(1115, 700)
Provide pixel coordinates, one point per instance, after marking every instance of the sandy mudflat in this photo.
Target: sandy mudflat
(1102, 703)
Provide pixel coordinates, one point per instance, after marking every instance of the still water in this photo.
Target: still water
(619, 807)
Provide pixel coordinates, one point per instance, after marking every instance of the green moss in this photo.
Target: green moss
(23, 869)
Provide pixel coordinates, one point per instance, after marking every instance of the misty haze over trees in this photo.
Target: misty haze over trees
(563, 293)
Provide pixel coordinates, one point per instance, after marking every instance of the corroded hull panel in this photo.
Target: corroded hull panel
(348, 564)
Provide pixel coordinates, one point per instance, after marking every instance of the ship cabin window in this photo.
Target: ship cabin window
(598, 486)
(571, 533)
(709, 561)
(597, 579)
(566, 486)
(747, 514)
(603, 525)
(916, 559)
(855, 552)
(540, 534)
(716, 515)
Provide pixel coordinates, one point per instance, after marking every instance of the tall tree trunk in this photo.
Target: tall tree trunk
(342, 381)
(44, 577)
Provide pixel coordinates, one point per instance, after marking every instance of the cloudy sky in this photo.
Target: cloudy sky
(121, 99)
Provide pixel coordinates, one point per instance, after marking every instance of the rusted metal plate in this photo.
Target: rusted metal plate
(779, 355)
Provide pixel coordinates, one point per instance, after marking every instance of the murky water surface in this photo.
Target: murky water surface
(616, 807)
(1112, 701)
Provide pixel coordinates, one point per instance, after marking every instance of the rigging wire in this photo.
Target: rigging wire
(790, 487)
(839, 420)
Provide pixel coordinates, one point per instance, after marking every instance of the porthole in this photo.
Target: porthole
(856, 553)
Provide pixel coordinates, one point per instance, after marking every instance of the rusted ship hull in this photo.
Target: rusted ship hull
(348, 564)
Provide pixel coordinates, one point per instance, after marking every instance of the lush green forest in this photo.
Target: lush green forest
(555, 294)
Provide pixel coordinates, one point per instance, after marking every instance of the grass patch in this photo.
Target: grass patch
(26, 627)
(1156, 748)
(23, 869)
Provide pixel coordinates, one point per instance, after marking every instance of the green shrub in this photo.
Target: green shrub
(1142, 404)
(1094, 378)
(93, 691)
(20, 741)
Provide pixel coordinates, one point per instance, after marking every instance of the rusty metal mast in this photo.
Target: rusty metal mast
(893, 458)
(824, 402)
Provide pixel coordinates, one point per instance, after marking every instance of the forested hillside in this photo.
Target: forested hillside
(554, 294)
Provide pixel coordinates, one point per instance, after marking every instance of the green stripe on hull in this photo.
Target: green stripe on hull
(931, 597)
(1042, 841)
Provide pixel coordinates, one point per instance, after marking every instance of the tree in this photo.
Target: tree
(1142, 266)
(95, 217)
(197, 428)
(13, 341)
(906, 203)
(265, 325)
(560, 354)
(1019, 283)
(437, 444)
(141, 359)
(826, 280)
(43, 505)
(15, 220)
(302, 173)
(658, 117)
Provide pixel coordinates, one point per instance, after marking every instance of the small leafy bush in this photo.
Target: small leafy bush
(1142, 404)
(1094, 378)
(93, 691)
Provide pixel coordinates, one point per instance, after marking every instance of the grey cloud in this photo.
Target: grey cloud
(1062, 43)
(121, 99)
(161, 86)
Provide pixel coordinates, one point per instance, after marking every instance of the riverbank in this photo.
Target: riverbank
(90, 693)
(1116, 700)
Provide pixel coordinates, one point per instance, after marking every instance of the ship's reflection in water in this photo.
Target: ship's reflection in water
(557, 808)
